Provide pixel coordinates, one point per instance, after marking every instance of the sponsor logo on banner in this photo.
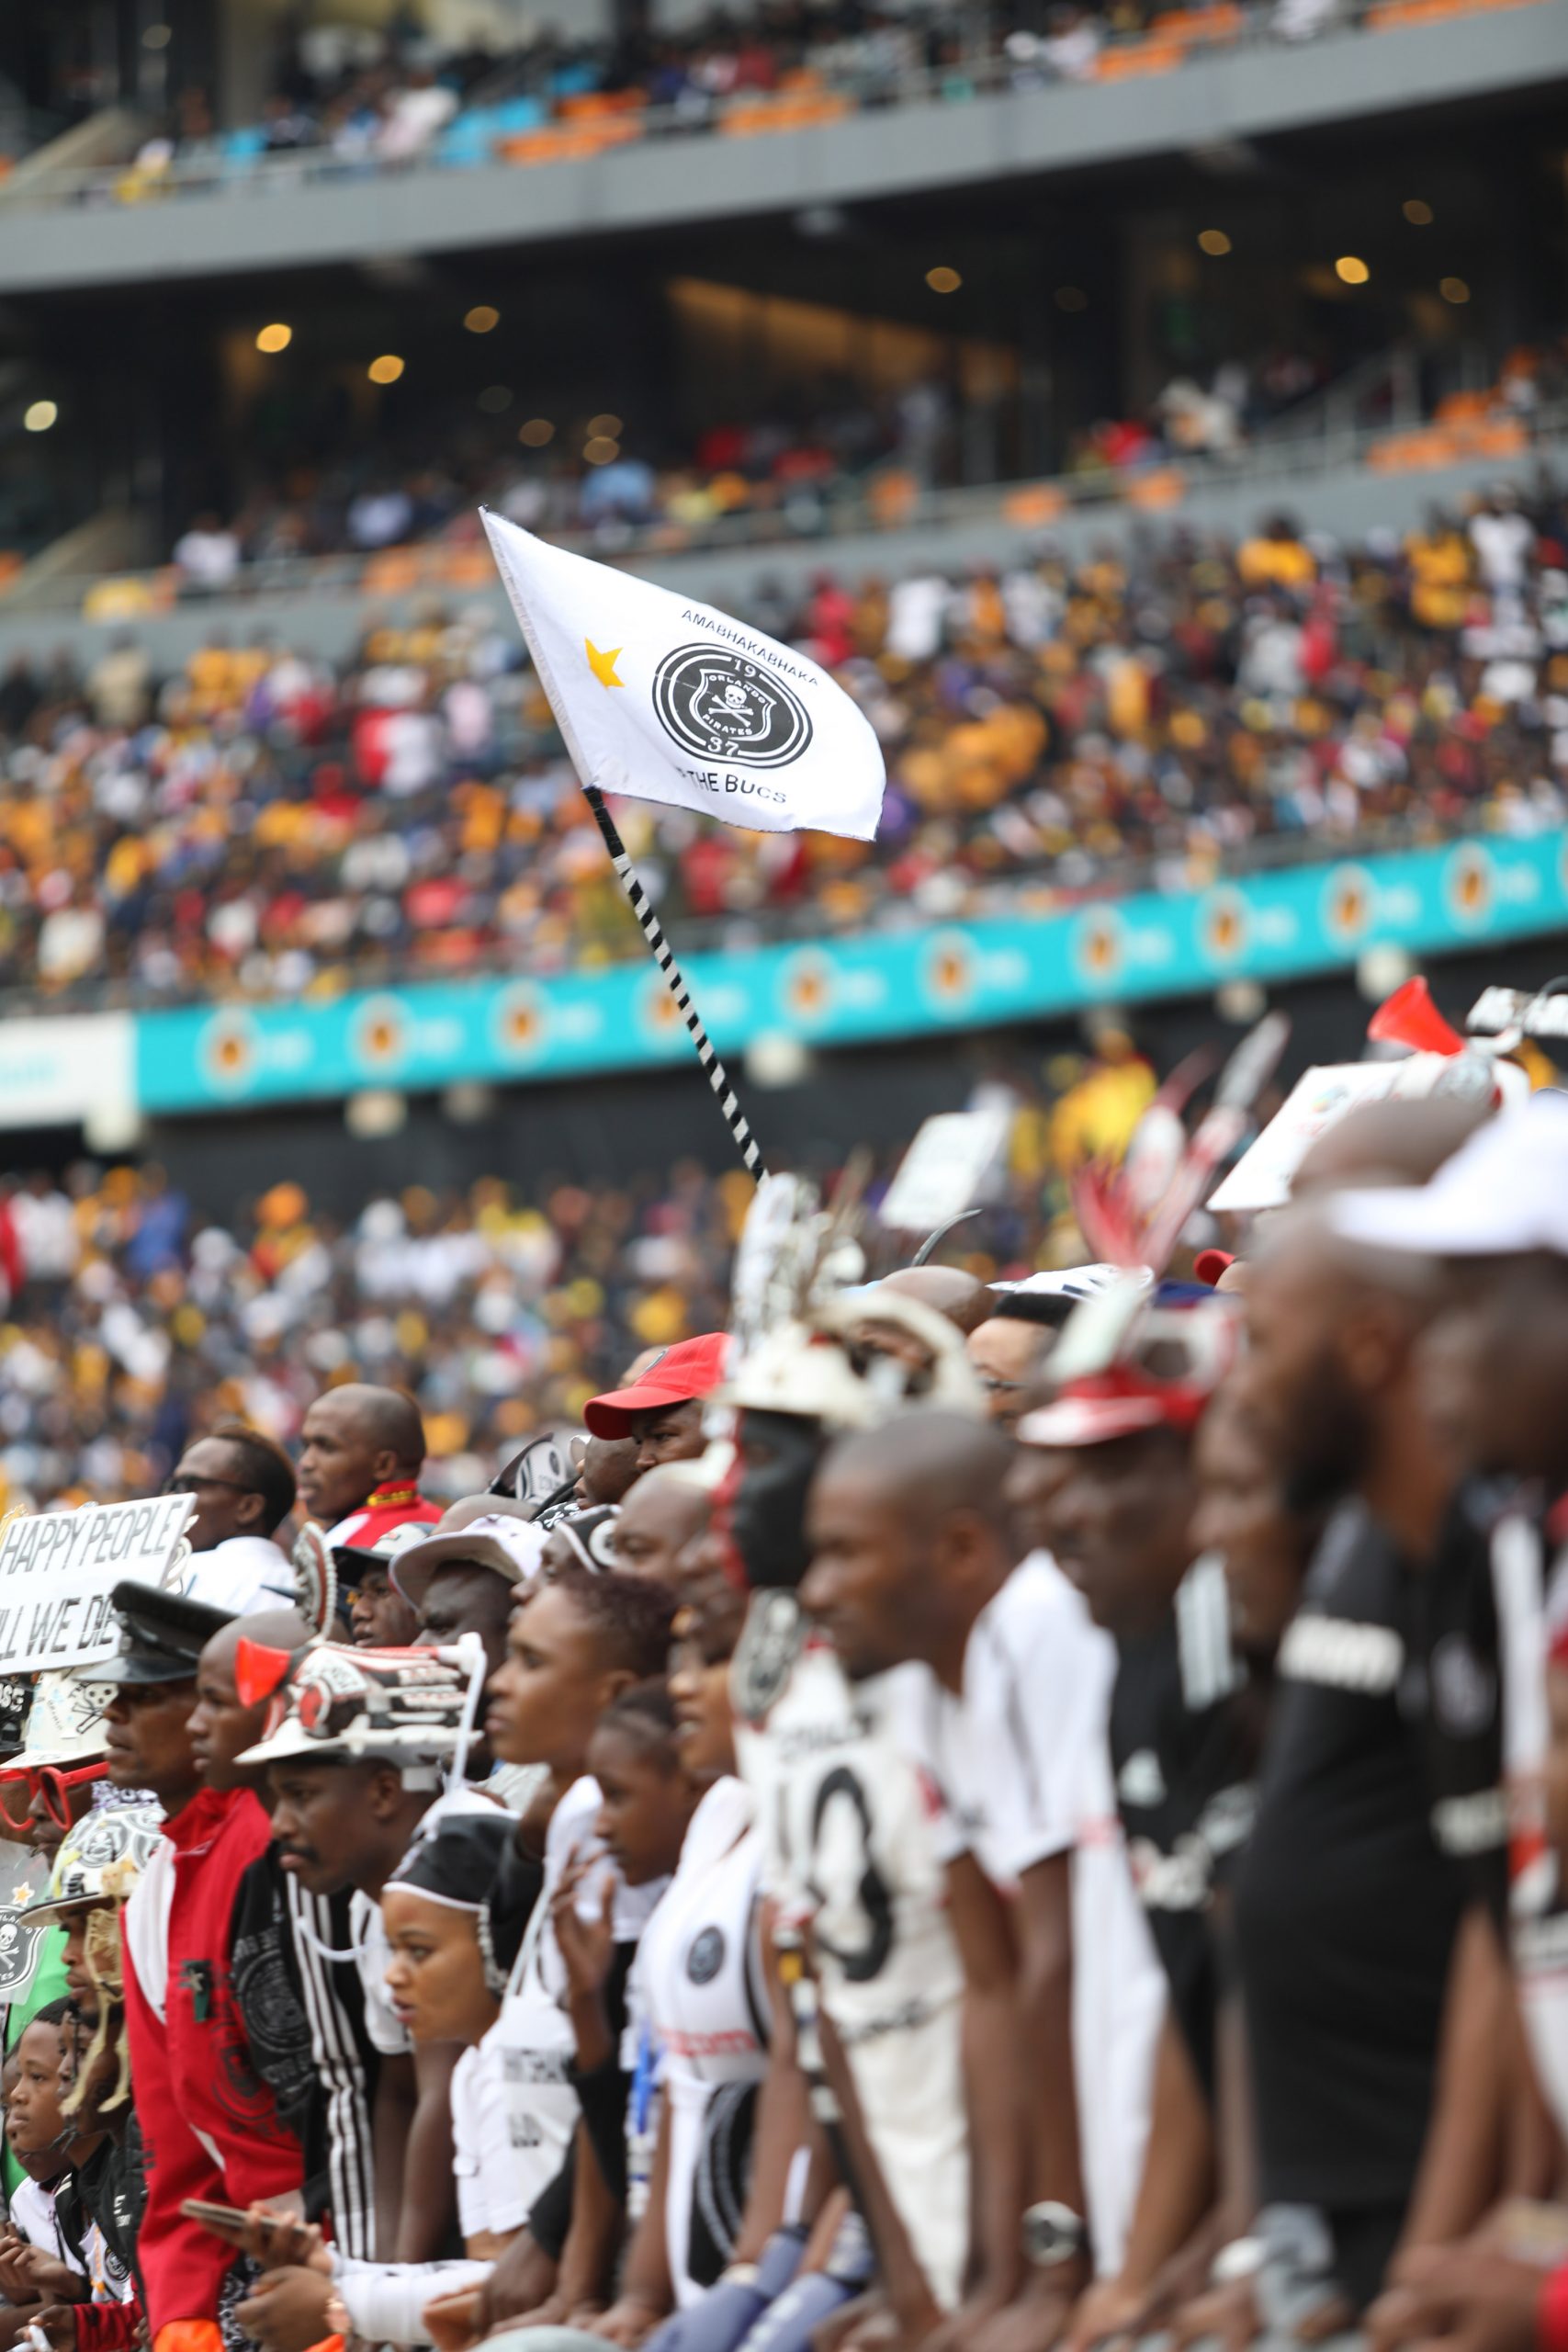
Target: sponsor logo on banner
(1468, 886)
(1348, 903)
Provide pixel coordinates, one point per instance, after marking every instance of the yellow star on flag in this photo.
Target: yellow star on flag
(602, 664)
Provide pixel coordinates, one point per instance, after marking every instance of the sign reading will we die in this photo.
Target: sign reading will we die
(58, 1568)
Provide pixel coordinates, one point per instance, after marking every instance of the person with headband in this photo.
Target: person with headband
(449, 1951)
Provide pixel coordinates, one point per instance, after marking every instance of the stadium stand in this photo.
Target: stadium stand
(261, 823)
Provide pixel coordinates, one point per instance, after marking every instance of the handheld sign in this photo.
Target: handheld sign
(1264, 1174)
(945, 1168)
(58, 1568)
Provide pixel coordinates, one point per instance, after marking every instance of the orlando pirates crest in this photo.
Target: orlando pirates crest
(723, 706)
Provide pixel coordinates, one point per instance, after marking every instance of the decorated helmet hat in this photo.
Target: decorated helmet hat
(821, 1369)
(1134, 1359)
(65, 1723)
(99, 1860)
(336, 1704)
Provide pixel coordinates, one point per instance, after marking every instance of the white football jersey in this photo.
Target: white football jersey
(852, 1860)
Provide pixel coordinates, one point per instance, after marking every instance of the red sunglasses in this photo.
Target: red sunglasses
(50, 1782)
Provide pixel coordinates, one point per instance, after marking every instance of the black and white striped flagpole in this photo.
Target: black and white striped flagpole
(636, 897)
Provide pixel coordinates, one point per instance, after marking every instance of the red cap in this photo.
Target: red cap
(1209, 1264)
(691, 1368)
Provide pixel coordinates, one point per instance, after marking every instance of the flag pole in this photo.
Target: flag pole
(735, 1118)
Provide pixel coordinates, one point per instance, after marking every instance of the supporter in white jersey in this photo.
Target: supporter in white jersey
(849, 1817)
(913, 1558)
(575, 1644)
(447, 1945)
(699, 1992)
(854, 1862)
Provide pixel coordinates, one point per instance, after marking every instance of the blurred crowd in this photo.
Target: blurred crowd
(794, 467)
(350, 96)
(837, 456)
(261, 821)
(132, 1324)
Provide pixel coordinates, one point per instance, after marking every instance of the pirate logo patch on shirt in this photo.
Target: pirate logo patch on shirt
(721, 705)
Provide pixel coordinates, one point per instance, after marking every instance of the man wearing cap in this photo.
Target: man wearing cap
(661, 1411)
(465, 1576)
(1183, 1751)
(210, 2125)
(243, 1490)
(355, 1752)
(465, 1580)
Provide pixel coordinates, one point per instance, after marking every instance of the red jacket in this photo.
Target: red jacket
(210, 2126)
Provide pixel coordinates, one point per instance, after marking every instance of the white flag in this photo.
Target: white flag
(668, 700)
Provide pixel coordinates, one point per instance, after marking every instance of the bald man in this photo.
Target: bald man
(915, 1558)
(961, 1296)
(665, 1510)
(361, 1450)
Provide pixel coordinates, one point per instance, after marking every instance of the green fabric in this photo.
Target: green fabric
(48, 1984)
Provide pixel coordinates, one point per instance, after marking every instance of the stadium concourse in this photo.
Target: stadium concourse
(260, 822)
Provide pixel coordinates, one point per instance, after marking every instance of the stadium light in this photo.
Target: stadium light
(482, 319)
(157, 37)
(1418, 211)
(610, 428)
(1351, 269)
(942, 280)
(1454, 290)
(600, 449)
(276, 337)
(536, 433)
(1214, 242)
(39, 416)
(386, 370)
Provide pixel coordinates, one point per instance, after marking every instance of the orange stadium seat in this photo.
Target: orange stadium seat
(1130, 59)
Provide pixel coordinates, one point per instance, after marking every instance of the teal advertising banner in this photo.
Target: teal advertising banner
(1263, 927)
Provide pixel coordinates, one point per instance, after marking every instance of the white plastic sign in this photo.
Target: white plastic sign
(58, 1568)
